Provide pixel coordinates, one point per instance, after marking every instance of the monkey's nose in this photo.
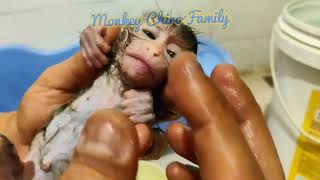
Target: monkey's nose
(155, 51)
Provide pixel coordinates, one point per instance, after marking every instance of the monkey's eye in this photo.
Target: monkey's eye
(149, 34)
(171, 53)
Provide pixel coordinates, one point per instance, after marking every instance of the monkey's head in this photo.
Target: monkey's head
(143, 56)
(142, 59)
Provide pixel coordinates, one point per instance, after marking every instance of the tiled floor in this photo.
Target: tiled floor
(259, 81)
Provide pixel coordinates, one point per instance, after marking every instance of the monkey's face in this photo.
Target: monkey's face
(145, 60)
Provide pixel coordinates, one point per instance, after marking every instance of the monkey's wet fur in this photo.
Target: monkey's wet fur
(52, 148)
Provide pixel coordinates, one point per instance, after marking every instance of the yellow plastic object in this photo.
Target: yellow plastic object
(306, 162)
(150, 171)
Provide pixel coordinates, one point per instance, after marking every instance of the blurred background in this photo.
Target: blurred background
(53, 24)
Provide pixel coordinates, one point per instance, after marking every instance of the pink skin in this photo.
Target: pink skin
(143, 66)
(145, 61)
(94, 46)
(138, 106)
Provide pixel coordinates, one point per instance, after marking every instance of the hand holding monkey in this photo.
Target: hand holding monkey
(217, 140)
(227, 125)
(57, 86)
(139, 61)
(208, 135)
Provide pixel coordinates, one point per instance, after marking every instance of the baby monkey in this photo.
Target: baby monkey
(132, 77)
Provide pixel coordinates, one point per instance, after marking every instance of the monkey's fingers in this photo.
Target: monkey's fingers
(178, 171)
(84, 54)
(102, 44)
(218, 141)
(91, 40)
(108, 149)
(250, 119)
(105, 42)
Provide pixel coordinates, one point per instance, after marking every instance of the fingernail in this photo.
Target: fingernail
(99, 144)
(233, 70)
(99, 65)
(82, 142)
(105, 60)
(83, 139)
(107, 47)
(89, 63)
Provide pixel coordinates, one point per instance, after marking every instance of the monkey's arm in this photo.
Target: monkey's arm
(54, 88)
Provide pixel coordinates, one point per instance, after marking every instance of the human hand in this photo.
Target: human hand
(228, 138)
(57, 86)
(109, 148)
(138, 106)
(11, 167)
(95, 45)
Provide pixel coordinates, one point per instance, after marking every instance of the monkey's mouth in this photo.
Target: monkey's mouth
(141, 59)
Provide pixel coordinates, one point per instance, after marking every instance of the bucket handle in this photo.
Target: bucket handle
(305, 134)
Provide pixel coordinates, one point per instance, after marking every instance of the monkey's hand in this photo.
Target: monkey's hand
(94, 46)
(138, 106)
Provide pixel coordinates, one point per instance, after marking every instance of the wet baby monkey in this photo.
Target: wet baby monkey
(132, 77)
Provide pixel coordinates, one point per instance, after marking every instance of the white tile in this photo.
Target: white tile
(250, 53)
(54, 24)
(261, 55)
(241, 52)
(250, 18)
(50, 28)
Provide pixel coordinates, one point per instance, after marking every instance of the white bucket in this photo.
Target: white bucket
(295, 65)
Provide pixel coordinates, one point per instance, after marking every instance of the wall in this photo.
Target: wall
(50, 24)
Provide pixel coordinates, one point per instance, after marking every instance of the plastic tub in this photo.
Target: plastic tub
(295, 66)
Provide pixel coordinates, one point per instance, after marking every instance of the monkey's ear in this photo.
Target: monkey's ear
(111, 34)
